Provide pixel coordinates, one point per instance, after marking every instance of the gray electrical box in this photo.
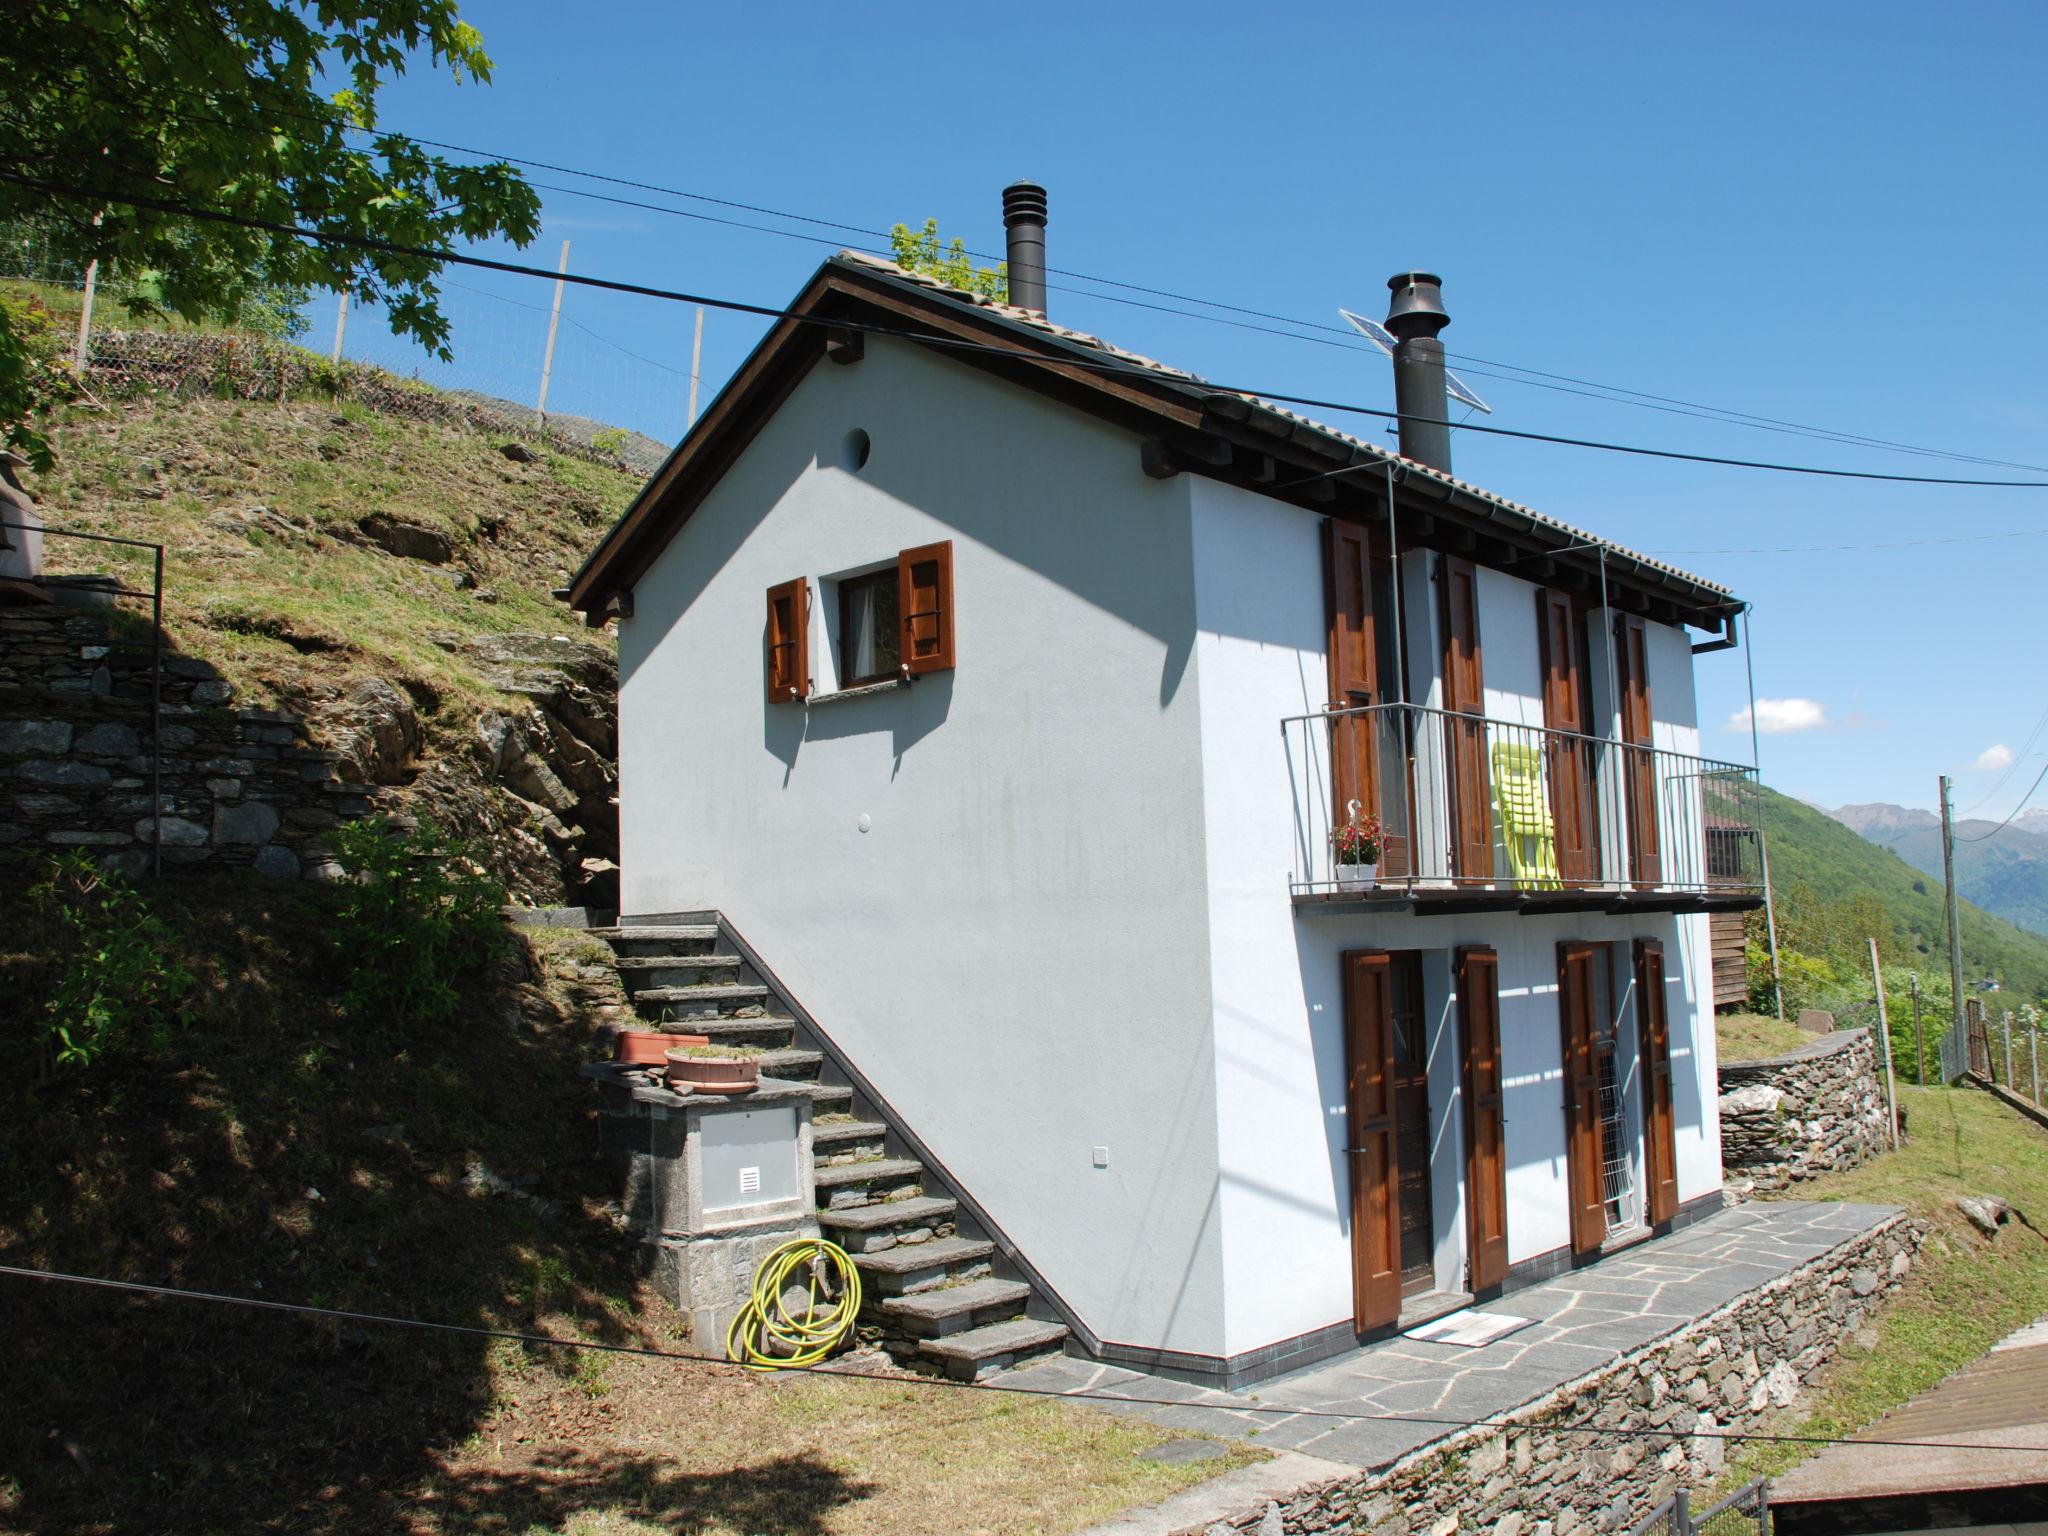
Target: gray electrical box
(748, 1157)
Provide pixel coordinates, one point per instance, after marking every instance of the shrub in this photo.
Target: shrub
(417, 915)
(116, 979)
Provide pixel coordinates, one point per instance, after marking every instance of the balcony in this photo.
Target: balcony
(1492, 815)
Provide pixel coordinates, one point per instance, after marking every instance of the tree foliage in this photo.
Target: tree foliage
(257, 109)
(921, 250)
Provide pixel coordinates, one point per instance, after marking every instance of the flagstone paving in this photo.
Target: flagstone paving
(1582, 1320)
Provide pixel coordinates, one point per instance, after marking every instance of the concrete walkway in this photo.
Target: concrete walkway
(1582, 1320)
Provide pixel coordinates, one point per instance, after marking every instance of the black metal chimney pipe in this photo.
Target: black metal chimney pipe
(1024, 221)
(1415, 314)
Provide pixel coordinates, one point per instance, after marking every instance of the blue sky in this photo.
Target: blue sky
(1824, 213)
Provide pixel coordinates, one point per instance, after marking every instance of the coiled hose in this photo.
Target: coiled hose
(768, 1334)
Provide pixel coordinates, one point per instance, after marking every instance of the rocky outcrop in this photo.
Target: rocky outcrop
(1789, 1118)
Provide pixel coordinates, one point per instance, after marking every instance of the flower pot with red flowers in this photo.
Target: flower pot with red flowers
(649, 1047)
(714, 1068)
(1355, 848)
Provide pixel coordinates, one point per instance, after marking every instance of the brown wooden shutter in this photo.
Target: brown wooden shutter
(1354, 671)
(1486, 1188)
(788, 639)
(1465, 744)
(924, 597)
(1660, 1150)
(1373, 1158)
(1584, 1190)
(1568, 759)
(1639, 769)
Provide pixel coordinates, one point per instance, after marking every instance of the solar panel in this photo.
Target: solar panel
(1386, 341)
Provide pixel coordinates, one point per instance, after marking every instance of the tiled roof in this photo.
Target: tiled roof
(1038, 322)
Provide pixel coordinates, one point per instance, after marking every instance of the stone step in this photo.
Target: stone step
(693, 939)
(874, 1181)
(886, 1224)
(911, 1267)
(842, 1142)
(956, 1308)
(793, 1064)
(831, 1099)
(707, 1001)
(993, 1347)
(642, 973)
(768, 1031)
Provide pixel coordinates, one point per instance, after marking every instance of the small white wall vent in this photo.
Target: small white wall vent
(750, 1181)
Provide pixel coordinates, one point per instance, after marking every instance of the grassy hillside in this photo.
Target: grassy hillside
(1834, 889)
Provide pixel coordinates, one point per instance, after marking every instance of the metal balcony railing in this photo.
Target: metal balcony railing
(1470, 803)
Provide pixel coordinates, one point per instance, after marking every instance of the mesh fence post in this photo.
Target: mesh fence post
(83, 354)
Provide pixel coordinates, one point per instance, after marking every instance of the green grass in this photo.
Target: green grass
(1967, 1292)
(1754, 1036)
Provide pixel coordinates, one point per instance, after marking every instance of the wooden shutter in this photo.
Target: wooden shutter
(1639, 769)
(1465, 697)
(1354, 670)
(1486, 1188)
(1568, 759)
(1660, 1150)
(789, 643)
(1584, 1191)
(1373, 1158)
(924, 598)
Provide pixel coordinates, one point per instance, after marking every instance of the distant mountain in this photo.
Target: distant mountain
(2006, 873)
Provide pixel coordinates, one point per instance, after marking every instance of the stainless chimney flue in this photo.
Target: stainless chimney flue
(1415, 314)
(1024, 222)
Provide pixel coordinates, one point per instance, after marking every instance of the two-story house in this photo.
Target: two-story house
(1004, 689)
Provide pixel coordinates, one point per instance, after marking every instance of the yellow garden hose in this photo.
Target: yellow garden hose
(769, 1335)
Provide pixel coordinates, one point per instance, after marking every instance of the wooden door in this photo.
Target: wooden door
(1639, 768)
(1568, 760)
(1371, 1139)
(1466, 775)
(1660, 1145)
(1486, 1188)
(1585, 1191)
(1369, 750)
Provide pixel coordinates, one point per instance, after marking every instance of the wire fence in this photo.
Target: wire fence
(2005, 1048)
(1745, 1512)
(517, 366)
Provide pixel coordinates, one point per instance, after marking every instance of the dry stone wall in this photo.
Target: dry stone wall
(1791, 1118)
(241, 787)
(1532, 1476)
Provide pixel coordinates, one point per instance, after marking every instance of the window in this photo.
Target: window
(894, 622)
(870, 632)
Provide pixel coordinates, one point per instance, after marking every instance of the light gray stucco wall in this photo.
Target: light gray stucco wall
(1015, 952)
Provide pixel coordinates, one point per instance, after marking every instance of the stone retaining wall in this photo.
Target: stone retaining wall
(1729, 1371)
(1790, 1118)
(240, 787)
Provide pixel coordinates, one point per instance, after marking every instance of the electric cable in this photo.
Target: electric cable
(2011, 767)
(1104, 365)
(1985, 836)
(542, 1340)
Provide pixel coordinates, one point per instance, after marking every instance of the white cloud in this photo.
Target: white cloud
(1779, 717)
(1993, 759)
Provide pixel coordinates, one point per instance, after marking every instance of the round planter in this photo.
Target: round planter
(1357, 877)
(649, 1047)
(688, 1074)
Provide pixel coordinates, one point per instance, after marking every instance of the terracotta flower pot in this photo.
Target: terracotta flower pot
(687, 1074)
(646, 1047)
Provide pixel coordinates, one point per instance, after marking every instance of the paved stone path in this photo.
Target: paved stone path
(1583, 1320)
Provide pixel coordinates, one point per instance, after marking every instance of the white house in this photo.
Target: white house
(1003, 688)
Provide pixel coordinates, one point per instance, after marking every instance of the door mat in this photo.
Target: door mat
(1468, 1330)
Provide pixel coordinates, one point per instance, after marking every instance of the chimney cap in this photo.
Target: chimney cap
(1417, 305)
(1023, 200)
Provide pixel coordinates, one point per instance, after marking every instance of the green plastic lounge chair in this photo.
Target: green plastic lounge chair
(1522, 811)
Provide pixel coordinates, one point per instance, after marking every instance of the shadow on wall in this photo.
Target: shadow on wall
(909, 714)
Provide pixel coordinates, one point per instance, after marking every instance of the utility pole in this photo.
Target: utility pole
(696, 367)
(1955, 922)
(340, 325)
(1919, 1042)
(547, 362)
(1884, 1044)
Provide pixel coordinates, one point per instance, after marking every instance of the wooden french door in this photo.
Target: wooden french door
(1568, 760)
(1486, 1189)
(1387, 1071)
(1368, 753)
(1660, 1146)
(1638, 765)
(1585, 1188)
(1471, 814)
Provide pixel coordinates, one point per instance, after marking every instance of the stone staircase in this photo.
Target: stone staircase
(938, 1299)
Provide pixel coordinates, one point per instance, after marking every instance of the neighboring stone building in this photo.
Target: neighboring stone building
(1789, 1118)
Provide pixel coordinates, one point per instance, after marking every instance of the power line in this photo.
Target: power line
(1103, 365)
(1991, 793)
(645, 1351)
(1985, 836)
